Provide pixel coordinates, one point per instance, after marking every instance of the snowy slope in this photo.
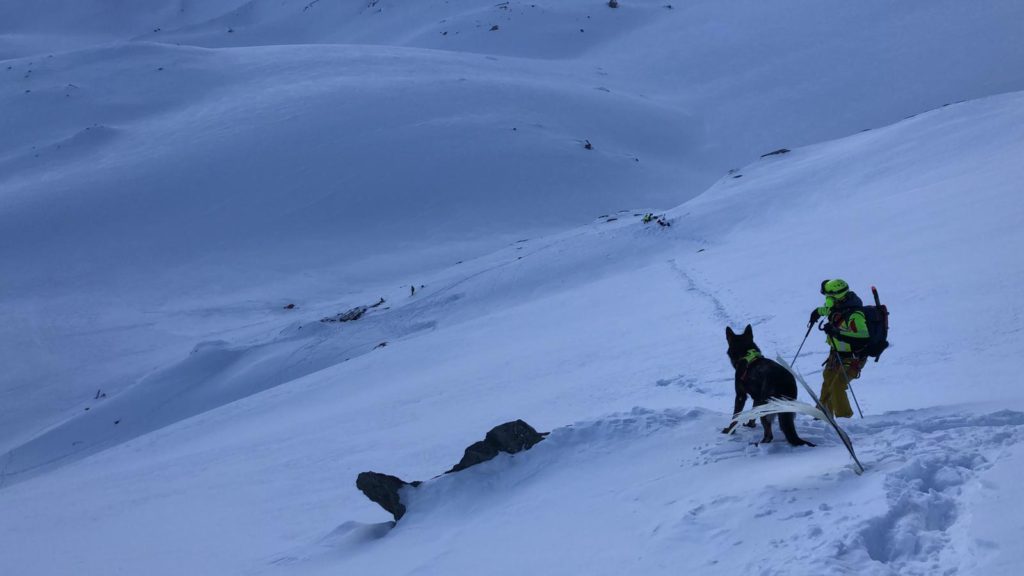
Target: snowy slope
(173, 172)
(344, 182)
(611, 336)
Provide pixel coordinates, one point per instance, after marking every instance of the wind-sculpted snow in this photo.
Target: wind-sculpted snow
(351, 166)
(934, 463)
(921, 480)
(216, 373)
(558, 329)
(175, 221)
(269, 149)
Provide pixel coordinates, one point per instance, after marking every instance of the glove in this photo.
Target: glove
(814, 316)
(831, 330)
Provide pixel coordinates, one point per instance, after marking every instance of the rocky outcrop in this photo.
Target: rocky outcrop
(349, 315)
(510, 437)
(352, 314)
(383, 489)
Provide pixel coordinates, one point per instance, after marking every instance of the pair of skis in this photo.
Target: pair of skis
(776, 406)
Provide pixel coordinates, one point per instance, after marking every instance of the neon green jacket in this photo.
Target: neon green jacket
(853, 326)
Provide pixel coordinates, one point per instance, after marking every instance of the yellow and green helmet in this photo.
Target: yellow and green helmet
(836, 288)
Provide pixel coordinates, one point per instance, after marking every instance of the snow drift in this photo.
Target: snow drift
(155, 196)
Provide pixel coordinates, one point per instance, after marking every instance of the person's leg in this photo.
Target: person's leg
(826, 389)
(853, 368)
(835, 387)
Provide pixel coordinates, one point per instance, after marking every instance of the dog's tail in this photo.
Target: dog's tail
(786, 410)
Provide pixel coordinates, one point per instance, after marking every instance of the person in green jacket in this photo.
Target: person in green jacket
(846, 333)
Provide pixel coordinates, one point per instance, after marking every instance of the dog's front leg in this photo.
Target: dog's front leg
(741, 399)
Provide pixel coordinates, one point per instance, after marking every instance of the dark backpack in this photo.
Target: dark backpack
(877, 318)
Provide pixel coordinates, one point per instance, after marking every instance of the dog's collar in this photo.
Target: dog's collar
(752, 354)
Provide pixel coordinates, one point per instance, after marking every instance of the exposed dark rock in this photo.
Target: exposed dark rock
(383, 489)
(514, 436)
(475, 453)
(776, 152)
(510, 437)
(347, 316)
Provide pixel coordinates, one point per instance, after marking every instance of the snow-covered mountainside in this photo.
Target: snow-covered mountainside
(173, 174)
(171, 170)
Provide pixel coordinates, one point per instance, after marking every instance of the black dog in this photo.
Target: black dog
(761, 379)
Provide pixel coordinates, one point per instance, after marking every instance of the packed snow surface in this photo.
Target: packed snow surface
(174, 174)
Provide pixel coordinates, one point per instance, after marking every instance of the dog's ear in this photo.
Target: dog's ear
(748, 332)
(729, 334)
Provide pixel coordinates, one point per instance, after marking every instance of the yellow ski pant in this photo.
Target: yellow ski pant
(834, 384)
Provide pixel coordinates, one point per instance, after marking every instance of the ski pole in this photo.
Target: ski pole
(849, 385)
(809, 326)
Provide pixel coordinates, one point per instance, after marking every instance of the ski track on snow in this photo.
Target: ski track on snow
(721, 311)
